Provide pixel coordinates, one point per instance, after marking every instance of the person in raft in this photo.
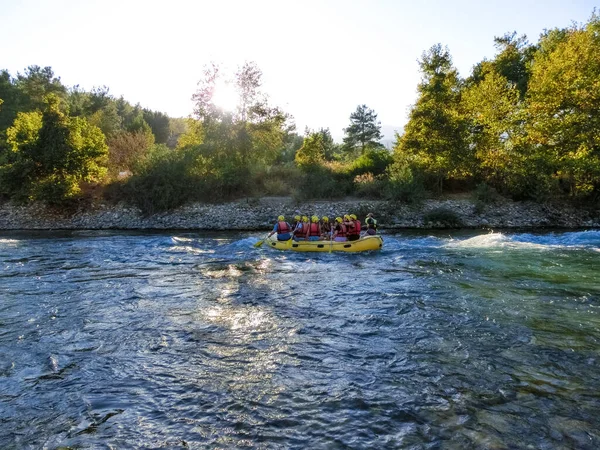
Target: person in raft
(313, 232)
(339, 231)
(350, 228)
(297, 220)
(354, 228)
(283, 229)
(371, 224)
(299, 233)
(325, 228)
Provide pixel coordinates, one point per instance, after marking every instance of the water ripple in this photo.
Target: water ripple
(202, 341)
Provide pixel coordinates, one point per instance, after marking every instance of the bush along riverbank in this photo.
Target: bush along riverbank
(259, 214)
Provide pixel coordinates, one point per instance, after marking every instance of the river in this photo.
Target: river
(194, 340)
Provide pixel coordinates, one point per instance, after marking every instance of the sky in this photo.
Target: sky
(320, 59)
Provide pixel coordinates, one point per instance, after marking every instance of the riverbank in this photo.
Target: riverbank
(259, 214)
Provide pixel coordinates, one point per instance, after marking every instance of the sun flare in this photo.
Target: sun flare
(225, 97)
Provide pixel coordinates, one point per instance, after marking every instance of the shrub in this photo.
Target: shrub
(125, 149)
(486, 194)
(275, 187)
(320, 182)
(161, 183)
(277, 180)
(367, 185)
(444, 216)
(404, 185)
(374, 161)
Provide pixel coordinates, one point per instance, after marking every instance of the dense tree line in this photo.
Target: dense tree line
(523, 124)
(56, 140)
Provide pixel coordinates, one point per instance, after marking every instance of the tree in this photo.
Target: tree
(13, 100)
(435, 136)
(37, 83)
(106, 118)
(24, 131)
(496, 114)
(514, 59)
(159, 124)
(52, 156)
(364, 130)
(312, 152)
(205, 109)
(125, 149)
(193, 136)
(563, 112)
(248, 80)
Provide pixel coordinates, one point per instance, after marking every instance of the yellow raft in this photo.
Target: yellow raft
(364, 244)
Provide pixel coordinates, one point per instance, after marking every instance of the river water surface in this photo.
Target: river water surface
(189, 340)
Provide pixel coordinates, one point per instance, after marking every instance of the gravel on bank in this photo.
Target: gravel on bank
(260, 214)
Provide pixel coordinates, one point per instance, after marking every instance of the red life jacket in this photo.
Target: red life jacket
(356, 228)
(300, 230)
(341, 230)
(282, 227)
(314, 230)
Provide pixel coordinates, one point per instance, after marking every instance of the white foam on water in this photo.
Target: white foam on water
(190, 249)
(181, 239)
(9, 241)
(568, 240)
(494, 241)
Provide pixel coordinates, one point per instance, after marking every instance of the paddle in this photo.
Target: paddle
(261, 242)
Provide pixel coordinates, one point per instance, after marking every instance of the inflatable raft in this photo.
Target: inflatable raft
(364, 244)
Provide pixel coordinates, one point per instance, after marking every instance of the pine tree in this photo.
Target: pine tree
(364, 130)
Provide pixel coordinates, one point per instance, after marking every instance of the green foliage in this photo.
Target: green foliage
(277, 180)
(126, 149)
(369, 186)
(514, 60)
(312, 152)
(563, 107)
(363, 132)
(374, 161)
(524, 124)
(405, 183)
(292, 142)
(164, 180)
(436, 133)
(496, 116)
(322, 182)
(486, 194)
(24, 131)
(193, 136)
(36, 84)
(444, 216)
(13, 100)
(52, 154)
(159, 124)
(107, 119)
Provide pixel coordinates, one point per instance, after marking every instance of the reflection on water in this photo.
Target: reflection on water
(194, 341)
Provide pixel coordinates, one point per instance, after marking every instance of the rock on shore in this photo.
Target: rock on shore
(253, 214)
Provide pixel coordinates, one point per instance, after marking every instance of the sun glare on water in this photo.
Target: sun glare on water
(225, 97)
